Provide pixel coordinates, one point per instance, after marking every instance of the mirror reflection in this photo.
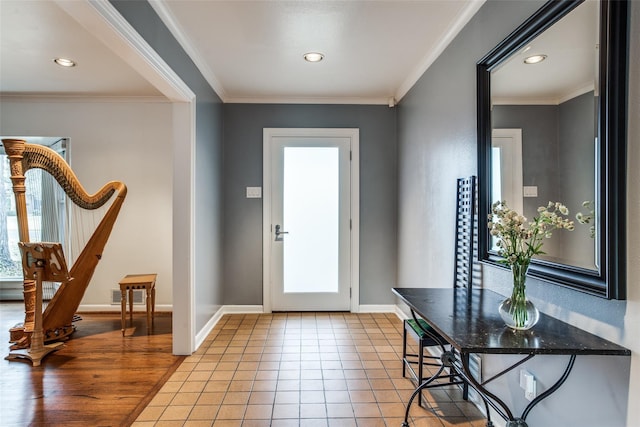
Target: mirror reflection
(544, 107)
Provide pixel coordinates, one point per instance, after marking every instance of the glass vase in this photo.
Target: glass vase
(518, 312)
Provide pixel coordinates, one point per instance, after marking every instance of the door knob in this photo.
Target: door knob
(279, 233)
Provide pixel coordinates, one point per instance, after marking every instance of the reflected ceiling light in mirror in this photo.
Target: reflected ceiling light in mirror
(535, 59)
(313, 57)
(65, 62)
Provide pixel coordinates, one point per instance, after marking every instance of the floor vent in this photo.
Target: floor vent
(138, 296)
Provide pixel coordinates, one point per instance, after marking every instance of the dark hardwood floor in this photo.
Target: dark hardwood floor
(99, 378)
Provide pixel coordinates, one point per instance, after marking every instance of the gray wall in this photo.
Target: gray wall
(576, 173)
(436, 144)
(243, 125)
(208, 154)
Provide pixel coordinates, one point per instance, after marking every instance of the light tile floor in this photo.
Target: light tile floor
(301, 369)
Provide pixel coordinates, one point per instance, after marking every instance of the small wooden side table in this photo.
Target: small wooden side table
(138, 281)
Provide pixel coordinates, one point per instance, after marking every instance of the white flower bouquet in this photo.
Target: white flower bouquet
(518, 242)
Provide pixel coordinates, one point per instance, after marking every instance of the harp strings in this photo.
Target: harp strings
(83, 223)
(53, 217)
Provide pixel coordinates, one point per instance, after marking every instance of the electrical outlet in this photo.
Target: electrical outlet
(528, 384)
(530, 391)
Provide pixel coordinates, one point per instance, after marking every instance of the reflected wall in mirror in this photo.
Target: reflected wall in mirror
(555, 130)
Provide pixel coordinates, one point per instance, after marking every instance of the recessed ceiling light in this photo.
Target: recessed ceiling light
(64, 62)
(313, 57)
(534, 59)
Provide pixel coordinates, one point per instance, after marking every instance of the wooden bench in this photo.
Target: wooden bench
(127, 286)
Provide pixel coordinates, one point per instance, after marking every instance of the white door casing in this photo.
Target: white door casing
(339, 149)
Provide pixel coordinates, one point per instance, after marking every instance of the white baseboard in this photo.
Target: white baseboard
(376, 308)
(225, 309)
(400, 313)
(111, 308)
(202, 334)
(242, 309)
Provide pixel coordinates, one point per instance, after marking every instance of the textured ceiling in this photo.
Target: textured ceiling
(249, 51)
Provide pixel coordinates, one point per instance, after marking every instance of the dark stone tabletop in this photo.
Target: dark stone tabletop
(469, 320)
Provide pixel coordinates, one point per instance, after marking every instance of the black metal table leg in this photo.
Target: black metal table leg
(501, 408)
(418, 390)
(552, 389)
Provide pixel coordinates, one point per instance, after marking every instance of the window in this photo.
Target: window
(46, 210)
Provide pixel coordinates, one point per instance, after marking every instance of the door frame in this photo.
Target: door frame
(514, 151)
(354, 258)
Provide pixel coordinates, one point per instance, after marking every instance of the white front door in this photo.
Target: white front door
(308, 223)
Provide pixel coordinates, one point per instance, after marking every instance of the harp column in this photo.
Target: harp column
(14, 148)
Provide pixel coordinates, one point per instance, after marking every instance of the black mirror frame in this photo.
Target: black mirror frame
(609, 281)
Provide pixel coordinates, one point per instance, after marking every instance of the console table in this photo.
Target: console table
(469, 321)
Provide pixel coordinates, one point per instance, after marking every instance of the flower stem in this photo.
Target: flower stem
(518, 296)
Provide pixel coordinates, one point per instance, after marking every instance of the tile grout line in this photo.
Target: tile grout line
(363, 336)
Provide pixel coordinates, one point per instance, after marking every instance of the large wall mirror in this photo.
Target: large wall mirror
(552, 127)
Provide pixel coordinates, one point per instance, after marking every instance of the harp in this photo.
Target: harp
(57, 319)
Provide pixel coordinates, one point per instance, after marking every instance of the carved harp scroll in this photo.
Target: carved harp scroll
(58, 316)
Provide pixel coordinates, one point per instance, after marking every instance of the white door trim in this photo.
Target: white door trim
(106, 23)
(354, 135)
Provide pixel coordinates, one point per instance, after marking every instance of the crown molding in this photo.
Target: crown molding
(456, 26)
(46, 97)
(104, 21)
(308, 100)
(168, 19)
